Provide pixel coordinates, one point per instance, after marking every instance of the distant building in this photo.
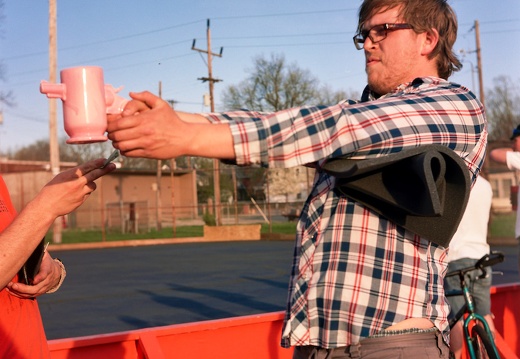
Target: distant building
(124, 199)
(502, 180)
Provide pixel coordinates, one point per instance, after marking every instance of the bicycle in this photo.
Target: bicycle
(479, 341)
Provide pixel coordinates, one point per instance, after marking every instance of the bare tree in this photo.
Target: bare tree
(6, 97)
(327, 96)
(80, 153)
(287, 181)
(271, 86)
(502, 108)
(39, 151)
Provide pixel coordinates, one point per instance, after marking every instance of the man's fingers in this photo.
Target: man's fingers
(147, 98)
(93, 169)
(22, 290)
(141, 102)
(99, 171)
(89, 166)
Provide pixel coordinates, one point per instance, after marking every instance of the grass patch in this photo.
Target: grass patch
(502, 226)
(84, 236)
(81, 236)
(280, 227)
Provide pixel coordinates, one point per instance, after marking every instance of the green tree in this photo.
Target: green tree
(502, 108)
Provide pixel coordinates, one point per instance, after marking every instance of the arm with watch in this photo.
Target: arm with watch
(49, 279)
(21, 233)
(39, 275)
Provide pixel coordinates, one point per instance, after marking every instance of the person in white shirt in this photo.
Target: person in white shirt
(511, 157)
(467, 246)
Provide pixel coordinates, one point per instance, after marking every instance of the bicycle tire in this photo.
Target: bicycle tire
(482, 344)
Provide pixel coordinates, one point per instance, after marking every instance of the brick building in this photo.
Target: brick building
(126, 199)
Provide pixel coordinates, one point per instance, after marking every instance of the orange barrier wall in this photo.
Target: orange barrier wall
(255, 337)
(505, 306)
(252, 337)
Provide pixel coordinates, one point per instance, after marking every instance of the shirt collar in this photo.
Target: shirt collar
(369, 95)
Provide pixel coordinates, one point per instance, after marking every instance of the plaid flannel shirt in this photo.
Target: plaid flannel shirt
(354, 272)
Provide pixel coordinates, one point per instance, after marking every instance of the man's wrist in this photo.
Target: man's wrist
(63, 274)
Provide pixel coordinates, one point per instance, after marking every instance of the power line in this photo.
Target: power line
(346, 33)
(155, 61)
(154, 31)
(81, 46)
(233, 17)
(26, 117)
(283, 14)
(306, 35)
(290, 45)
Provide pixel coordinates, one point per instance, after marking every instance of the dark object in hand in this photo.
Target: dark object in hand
(32, 266)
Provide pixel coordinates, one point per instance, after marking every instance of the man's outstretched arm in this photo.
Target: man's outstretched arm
(148, 127)
(499, 154)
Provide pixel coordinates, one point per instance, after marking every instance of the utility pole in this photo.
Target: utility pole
(53, 130)
(479, 63)
(480, 83)
(211, 81)
(173, 167)
(158, 210)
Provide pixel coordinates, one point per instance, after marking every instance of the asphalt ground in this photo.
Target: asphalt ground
(126, 288)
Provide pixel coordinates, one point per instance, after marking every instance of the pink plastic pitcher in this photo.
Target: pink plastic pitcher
(86, 101)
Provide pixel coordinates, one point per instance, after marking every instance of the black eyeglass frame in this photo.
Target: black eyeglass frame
(361, 36)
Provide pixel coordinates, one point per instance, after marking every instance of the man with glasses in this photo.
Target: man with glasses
(361, 286)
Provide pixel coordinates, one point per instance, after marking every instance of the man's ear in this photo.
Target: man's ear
(431, 38)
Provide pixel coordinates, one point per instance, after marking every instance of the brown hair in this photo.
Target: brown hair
(424, 15)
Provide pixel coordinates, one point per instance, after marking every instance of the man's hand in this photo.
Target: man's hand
(148, 127)
(46, 279)
(70, 189)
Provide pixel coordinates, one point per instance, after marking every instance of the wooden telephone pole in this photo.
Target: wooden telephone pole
(482, 97)
(211, 81)
(53, 130)
(158, 209)
(479, 63)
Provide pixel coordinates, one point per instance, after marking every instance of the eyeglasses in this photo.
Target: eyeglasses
(377, 33)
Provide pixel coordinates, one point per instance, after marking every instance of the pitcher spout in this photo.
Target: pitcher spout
(53, 90)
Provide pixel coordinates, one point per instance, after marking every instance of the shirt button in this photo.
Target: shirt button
(307, 275)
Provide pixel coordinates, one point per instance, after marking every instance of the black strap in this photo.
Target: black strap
(423, 189)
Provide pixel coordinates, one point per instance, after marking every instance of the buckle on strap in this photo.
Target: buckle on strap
(354, 350)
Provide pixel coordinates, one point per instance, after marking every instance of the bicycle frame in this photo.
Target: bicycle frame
(471, 318)
(476, 319)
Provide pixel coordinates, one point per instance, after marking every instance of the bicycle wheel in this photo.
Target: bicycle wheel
(482, 344)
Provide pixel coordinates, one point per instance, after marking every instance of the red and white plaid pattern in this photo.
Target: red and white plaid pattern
(354, 272)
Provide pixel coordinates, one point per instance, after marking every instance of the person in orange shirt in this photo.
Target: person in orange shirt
(21, 329)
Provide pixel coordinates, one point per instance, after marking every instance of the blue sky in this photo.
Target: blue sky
(141, 43)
